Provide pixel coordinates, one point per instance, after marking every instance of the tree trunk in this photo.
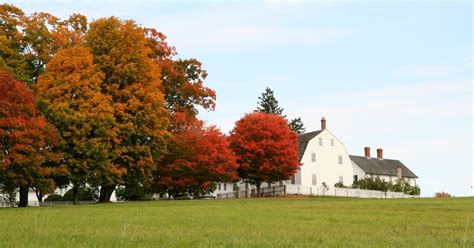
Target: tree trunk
(75, 190)
(39, 194)
(258, 188)
(105, 193)
(23, 196)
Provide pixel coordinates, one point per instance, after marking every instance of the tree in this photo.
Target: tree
(12, 58)
(26, 140)
(183, 83)
(132, 82)
(45, 34)
(198, 156)
(27, 43)
(265, 147)
(70, 97)
(297, 126)
(268, 103)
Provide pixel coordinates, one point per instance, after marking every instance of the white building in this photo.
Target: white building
(325, 161)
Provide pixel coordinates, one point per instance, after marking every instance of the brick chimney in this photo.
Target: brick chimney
(399, 172)
(323, 123)
(379, 153)
(367, 152)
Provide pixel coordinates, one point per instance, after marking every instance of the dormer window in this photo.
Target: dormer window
(320, 141)
(313, 157)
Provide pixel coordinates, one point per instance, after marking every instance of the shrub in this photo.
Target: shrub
(372, 184)
(132, 193)
(54, 197)
(83, 194)
(378, 184)
(340, 185)
(442, 194)
(405, 187)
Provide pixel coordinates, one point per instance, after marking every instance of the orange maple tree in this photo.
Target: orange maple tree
(69, 95)
(133, 84)
(182, 83)
(27, 141)
(265, 147)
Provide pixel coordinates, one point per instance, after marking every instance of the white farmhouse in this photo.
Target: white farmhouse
(325, 161)
(388, 170)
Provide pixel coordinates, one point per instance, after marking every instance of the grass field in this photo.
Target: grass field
(282, 222)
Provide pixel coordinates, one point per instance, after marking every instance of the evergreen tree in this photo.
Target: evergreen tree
(268, 103)
(297, 126)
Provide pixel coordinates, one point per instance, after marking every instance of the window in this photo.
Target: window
(219, 186)
(341, 179)
(355, 178)
(313, 157)
(225, 186)
(314, 179)
(293, 179)
(390, 179)
(320, 141)
(332, 142)
(340, 159)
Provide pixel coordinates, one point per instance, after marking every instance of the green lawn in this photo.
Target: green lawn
(270, 222)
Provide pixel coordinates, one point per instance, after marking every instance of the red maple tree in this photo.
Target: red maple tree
(266, 149)
(198, 157)
(26, 140)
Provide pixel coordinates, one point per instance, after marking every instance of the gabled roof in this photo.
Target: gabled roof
(381, 166)
(303, 140)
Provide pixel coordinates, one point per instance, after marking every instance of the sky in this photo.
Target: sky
(395, 75)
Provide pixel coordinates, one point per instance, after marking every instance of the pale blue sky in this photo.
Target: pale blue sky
(396, 75)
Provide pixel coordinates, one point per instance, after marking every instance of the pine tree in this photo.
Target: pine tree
(268, 103)
(297, 126)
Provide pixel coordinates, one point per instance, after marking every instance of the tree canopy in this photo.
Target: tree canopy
(70, 97)
(197, 157)
(265, 147)
(26, 140)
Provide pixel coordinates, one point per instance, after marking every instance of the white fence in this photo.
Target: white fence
(342, 192)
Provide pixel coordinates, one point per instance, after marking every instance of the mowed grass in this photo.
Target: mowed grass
(270, 222)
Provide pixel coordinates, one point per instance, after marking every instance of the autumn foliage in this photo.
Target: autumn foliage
(26, 140)
(197, 157)
(265, 147)
(132, 82)
(69, 95)
(123, 110)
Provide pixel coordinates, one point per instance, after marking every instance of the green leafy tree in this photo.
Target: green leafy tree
(297, 126)
(268, 103)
